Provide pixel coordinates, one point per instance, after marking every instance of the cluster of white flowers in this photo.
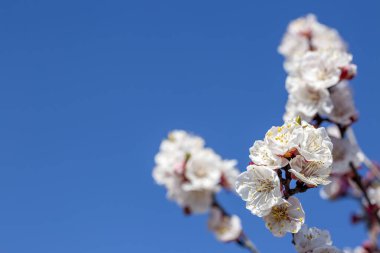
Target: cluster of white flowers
(291, 158)
(191, 172)
(304, 153)
(307, 34)
(318, 66)
(314, 240)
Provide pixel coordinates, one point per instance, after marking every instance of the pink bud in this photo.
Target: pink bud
(347, 72)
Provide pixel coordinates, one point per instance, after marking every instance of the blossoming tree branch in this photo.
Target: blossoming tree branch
(315, 147)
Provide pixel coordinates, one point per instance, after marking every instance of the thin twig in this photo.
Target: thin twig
(248, 243)
(358, 180)
(300, 186)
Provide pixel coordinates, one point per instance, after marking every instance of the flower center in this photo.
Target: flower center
(314, 143)
(200, 172)
(311, 168)
(264, 185)
(282, 138)
(309, 236)
(223, 227)
(313, 95)
(171, 137)
(279, 213)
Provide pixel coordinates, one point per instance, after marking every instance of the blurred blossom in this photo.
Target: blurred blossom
(337, 188)
(306, 101)
(374, 195)
(226, 228)
(358, 249)
(191, 172)
(344, 111)
(309, 240)
(321, 69)
(305, 34)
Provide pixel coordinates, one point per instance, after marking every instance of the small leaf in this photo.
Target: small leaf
(298, 120)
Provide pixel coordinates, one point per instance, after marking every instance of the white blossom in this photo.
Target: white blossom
(179, 140)
(323, 69)
(306, 101)
(193, 201)
(344, 111)
(173, 152)
(226, 228)
(358, 249)
(335, 188)
(344, 152)
(310, 172)
(169, 169)
(293, 110)
(284, 140)
(260, 188)
(309, 239)
(305, 34)
(261, 155)
(316, 145)
(229, 174)
(203, 171)
(313, 144)
(288, 216)
(192, 173)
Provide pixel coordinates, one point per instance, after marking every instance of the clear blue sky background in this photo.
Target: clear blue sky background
(89, 88)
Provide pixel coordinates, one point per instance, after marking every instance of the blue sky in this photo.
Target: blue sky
(89, 89)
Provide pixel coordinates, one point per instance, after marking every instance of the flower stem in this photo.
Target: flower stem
(300, 186)
(248, 243)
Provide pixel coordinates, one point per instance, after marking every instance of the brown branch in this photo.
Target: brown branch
(357, 179)
(300, 186)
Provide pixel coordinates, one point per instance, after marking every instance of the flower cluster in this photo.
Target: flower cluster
(291, 158)
(307, 34)
(314, 240)
(192, 175)
(296, 150)
(191, 172)
(318, 67)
